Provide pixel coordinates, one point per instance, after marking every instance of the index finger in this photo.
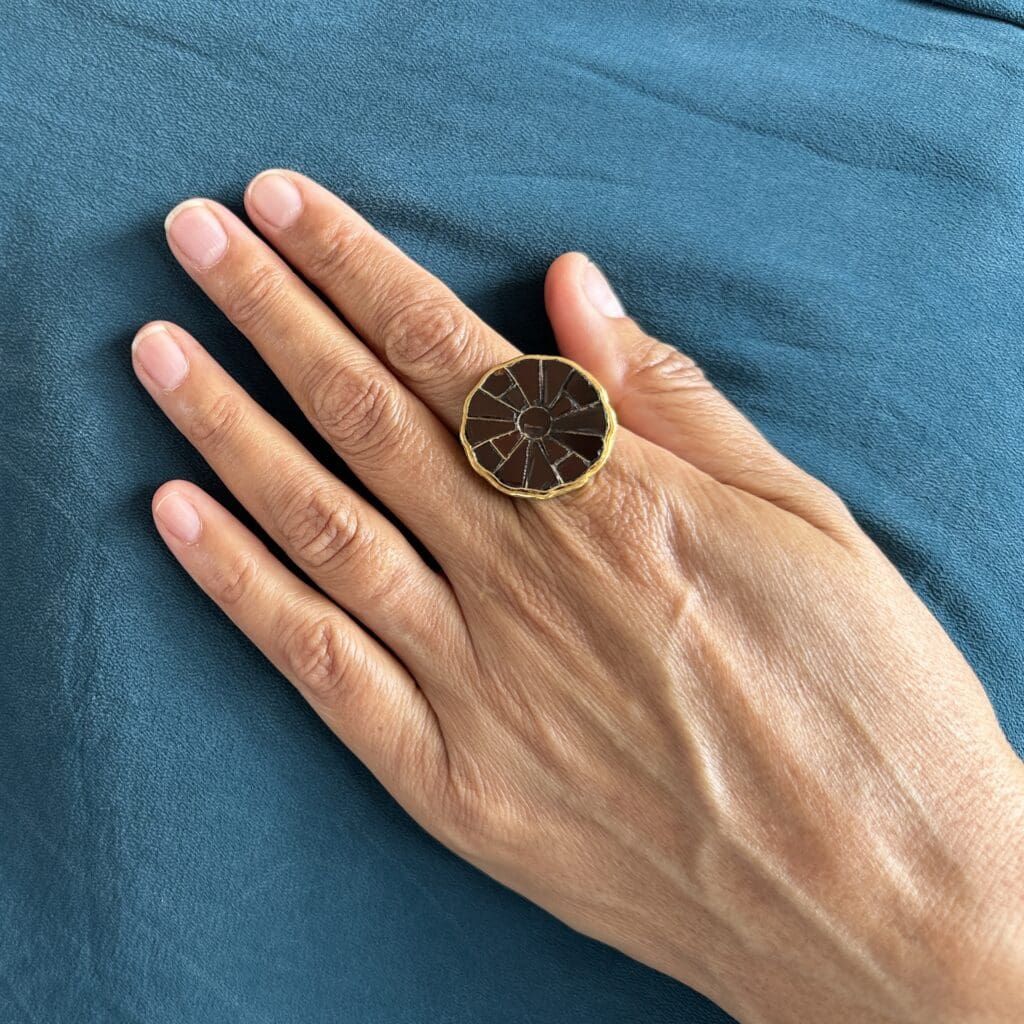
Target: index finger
(431, 340)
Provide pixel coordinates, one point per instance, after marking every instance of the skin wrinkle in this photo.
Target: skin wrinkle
(687, 709)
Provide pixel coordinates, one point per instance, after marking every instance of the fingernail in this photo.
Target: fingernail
(275, 199)
(178, 516)
(197, 233)
(160, 356)
(599, 292)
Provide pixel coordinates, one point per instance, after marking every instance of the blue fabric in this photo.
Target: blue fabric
(820, 201)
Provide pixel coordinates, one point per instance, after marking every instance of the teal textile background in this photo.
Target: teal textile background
(821, 201)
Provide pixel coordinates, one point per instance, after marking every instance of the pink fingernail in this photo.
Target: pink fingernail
(599, 292)
(275, 199)
(197, 233)
(161, 357)
(178, 516)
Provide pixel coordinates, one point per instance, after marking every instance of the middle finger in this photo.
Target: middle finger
(388, 437)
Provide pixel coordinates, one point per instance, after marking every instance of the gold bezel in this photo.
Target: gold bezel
(572, 485)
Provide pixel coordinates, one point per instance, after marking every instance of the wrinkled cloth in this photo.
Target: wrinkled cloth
(820, 201)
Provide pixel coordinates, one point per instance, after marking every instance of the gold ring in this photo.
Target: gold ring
(537, 426)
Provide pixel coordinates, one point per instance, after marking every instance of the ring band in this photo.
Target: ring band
(537, 426)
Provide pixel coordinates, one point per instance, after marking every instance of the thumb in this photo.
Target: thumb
(661, 394)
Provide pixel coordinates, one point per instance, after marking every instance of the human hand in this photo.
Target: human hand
(689, 709)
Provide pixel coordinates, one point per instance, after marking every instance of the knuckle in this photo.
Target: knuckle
(628, 498)
(426, 337)
(232, 582)
(612, 493)
(320, 655)
(322, 531)
(212, 424)
(251, 297)
(341, 241)
(360, 414)
(660, 367)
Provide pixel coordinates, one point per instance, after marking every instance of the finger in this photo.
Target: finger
(661, 394)
(357, 687)
(337, 538)
(416, 324)
(388, 437)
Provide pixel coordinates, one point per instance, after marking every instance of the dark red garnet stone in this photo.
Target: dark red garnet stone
(536, 425)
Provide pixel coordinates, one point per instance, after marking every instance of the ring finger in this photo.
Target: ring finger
(338, 539)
